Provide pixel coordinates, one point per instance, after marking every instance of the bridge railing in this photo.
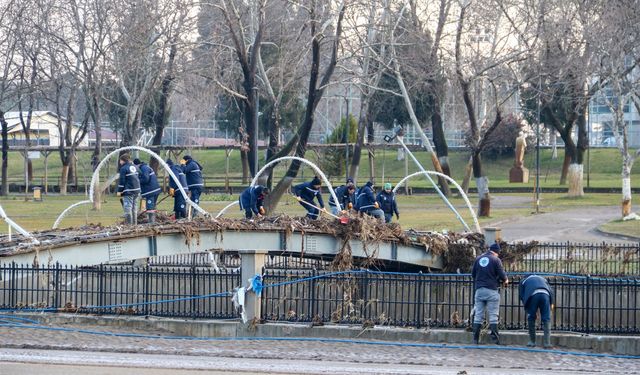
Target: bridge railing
(601, 259)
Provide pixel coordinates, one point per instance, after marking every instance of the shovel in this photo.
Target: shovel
(343, 220)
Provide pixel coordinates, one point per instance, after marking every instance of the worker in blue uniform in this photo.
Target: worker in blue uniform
(179, 202)
(366, 202)
(487, 274)
(346, 197)
(129, 189)
(306, 193)
(536, 295)
(149, 188)
(193, 172)
(251, 201)
(387, 201)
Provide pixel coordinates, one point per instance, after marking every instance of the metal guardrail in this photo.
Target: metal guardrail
(589, 304)
(583, 304)
(595, 259)
(102, 289)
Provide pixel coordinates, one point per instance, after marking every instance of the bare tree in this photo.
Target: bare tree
(616, 44)
(325, 27)
(10, 17)
(493, 68)
(137, 58)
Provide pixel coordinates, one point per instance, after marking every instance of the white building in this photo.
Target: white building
(43, 131)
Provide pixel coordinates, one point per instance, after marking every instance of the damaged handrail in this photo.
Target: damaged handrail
(17, 227)
(96, 173)
(464, 196)
(275, 161)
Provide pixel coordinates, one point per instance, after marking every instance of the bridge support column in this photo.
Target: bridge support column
(252, 264)
(492, 235)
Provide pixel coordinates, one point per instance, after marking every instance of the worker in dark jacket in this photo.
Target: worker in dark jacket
(306, 193)
(536, 294)
(129, 189)
(387, 201)
(149, 187)
(346, 197)
(193, 172)
(366, 202)
(179, 203)
(487, 273)
(251, 200)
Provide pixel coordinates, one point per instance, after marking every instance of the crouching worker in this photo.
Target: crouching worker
(129, 189)
(346, 196)
(306, 193)
(251, 201)
(366, 202)
(536, 295)
(179, 203)
(149, 187)
(387, 201)
(487, 273)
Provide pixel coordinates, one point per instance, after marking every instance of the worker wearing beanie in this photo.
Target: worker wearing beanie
(346, 195)
(149, 187)
(179, 202)
(193, 172)
(366, 202)
(129, 189)
(306, 193)
(387, 201)
(487, 273)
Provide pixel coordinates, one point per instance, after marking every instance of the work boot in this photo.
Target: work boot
(531, 325)
(495, 337)
(476, 333)
(546, 340)
(151, 217)
(127, 219)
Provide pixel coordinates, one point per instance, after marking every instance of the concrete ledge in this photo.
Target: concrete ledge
(624, 345)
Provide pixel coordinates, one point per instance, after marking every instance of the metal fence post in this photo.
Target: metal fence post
(56, 284)
(12, 286)
(100, 301)
(587, 305)
(146, 281)
(193, 292)
(312, 295)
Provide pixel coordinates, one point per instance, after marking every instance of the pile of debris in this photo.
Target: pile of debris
(458, 249)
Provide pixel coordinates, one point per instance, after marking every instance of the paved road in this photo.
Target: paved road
(576, 224)
(24, 349)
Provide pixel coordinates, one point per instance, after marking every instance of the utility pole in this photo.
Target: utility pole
(256, 129)
(345, 137)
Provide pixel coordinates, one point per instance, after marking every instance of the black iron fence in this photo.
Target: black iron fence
(119, 290)
(583, 304)
(603, 259)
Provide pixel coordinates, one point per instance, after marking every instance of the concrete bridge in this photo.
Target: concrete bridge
(98, 245)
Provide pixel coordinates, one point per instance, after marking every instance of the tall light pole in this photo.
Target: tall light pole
(537, 202)
(345, 136)
(256, 128)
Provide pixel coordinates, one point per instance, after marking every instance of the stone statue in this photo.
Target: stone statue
(519, 173)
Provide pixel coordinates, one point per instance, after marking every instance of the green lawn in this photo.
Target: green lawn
(420, 212)
(604, 166)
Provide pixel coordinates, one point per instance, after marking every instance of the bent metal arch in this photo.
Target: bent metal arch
(302, 160)
(96, 173)
(464, 196)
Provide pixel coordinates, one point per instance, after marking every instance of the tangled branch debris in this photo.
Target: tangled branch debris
(458, 249)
